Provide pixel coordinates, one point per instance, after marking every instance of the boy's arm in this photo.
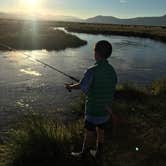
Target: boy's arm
(72, 86)
(84, 84)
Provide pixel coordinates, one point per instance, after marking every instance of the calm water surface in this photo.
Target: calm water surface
(26, 85)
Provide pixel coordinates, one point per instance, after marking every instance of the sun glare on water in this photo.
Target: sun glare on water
(30, 72)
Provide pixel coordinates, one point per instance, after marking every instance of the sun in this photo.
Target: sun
(32, 3)
(30, 8)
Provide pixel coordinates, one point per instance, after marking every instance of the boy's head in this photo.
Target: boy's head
(103, 50)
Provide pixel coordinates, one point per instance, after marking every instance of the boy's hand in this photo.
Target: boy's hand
(68, 87)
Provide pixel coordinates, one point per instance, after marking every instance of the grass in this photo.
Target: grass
(138, 136)
(41, 141)
(157, 33)
(31, 35)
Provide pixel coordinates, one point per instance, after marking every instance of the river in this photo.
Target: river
(26, 85)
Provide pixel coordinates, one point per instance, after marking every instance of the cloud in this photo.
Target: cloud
(123, 1)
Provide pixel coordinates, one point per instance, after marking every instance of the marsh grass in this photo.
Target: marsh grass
(157, 33)
(40, 141)
(35, 142)
(34, 35)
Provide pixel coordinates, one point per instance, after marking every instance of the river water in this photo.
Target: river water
(26, 85)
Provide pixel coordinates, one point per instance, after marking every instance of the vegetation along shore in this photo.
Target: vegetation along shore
(31, 35)
(152, 32)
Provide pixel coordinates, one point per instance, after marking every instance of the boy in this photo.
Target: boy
(99, 83)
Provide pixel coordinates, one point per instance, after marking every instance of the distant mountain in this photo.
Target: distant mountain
(67, 18)
(15, 16)
(39, 16)
(151, 21)
(6, 15)
(154, 21)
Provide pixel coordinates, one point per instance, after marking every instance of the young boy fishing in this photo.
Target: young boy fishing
(99, 83)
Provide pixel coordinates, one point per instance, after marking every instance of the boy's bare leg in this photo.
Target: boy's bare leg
(87, 144)
(99, 142)
(100, 135)
(88, 140)
(99, 146)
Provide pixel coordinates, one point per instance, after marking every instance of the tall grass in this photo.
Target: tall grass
(40, 141)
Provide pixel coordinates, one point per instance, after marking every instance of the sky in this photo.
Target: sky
(87, 8)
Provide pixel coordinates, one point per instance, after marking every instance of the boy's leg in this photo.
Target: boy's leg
(100, 140)
(98, 153)
(99, 146)
(88, 140)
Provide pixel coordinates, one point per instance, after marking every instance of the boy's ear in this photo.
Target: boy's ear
(97, 53)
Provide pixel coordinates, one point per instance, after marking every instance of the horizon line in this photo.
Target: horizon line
(77, 17)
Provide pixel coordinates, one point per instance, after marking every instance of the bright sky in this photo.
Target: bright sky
(87, 8)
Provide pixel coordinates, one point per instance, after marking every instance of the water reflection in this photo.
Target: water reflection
(21, 104)
(30, 72)
(61, 28)
(24, 57)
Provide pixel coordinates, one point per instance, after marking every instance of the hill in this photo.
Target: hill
(150, 21)
(38, 16)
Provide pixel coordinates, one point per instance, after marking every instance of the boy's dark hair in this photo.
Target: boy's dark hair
(104, 48)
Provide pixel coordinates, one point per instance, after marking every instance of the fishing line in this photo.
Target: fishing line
(41, 62)
(46, 64)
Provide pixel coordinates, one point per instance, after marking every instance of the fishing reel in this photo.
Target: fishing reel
(67, 86)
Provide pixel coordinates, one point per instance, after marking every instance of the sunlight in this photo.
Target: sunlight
(30, 5)
(20, 58)
(32, 2)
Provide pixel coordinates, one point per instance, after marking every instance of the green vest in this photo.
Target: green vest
(101, 90)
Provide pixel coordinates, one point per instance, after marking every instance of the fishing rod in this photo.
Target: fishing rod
(41, 62)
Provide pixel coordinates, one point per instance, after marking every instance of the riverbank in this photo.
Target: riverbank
(137, 139)
(152, 32)
(31, 35)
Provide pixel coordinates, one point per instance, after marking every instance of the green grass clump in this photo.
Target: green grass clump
(40, 141)
(159, 87)
(37, 140)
